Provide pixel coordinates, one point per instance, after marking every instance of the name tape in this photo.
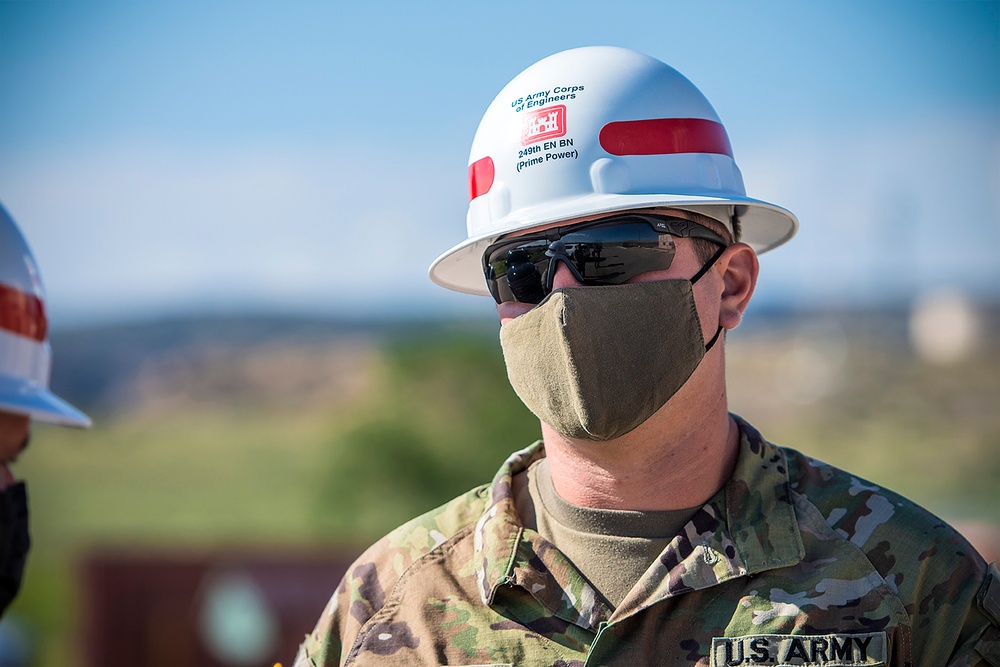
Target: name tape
(834, 650)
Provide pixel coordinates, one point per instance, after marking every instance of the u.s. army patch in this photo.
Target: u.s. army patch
(835, 650)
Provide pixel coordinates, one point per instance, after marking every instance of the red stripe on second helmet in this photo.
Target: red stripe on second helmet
(22, 314)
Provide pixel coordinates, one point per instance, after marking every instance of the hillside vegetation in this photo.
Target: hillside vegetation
(336, 437)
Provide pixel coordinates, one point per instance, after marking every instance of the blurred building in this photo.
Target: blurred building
(219, 609)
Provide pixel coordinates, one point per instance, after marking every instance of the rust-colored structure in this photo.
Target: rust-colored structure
(203, 609)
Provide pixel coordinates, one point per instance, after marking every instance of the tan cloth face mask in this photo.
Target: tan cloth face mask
(595, 362)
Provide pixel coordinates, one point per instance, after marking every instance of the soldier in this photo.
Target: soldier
(649, 526)
(25, 359)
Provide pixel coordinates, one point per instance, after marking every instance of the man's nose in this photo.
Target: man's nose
(563, 276)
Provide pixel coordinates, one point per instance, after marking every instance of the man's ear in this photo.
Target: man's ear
(739, 268)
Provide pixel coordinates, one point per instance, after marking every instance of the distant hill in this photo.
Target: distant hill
(93, 367)
(98, 368)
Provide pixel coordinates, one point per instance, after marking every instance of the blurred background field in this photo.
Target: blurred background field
(287, 434)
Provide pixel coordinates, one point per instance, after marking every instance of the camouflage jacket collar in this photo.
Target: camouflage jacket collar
(725, 539)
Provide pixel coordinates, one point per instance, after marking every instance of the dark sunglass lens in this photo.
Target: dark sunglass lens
(514, 271)
(523, 277)
(609, 253)
(501, 257)
(614, 254)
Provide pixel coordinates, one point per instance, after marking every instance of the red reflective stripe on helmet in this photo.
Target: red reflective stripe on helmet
(665, 136)
(481, 175)
(22, 314)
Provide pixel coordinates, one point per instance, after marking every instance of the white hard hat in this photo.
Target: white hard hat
(596, 130)
(25, 354)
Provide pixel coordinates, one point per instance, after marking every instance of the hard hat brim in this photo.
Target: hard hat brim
(40, 404)
(764, 226)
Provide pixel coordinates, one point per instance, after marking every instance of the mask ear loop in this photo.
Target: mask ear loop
(714, 338)
(709, 264)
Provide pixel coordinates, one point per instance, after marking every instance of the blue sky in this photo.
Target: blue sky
(165, 157)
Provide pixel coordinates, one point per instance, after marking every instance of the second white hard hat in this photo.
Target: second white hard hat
(25, 353)
(596, 130)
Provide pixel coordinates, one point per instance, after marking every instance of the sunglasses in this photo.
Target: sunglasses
(609, 251)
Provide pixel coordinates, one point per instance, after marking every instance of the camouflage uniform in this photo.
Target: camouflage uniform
(794, 562)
